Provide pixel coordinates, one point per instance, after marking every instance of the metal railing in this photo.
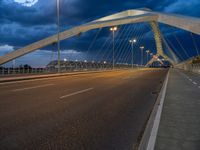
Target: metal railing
(65, 67)
(190, 67)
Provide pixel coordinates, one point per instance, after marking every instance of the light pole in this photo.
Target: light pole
(142, 48)
(104, 64)
(113, 29)
(58, 33)
(132, 42)
(85, 61)
(151, 54)
(147, 51)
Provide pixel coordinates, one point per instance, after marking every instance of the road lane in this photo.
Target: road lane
(193, 78)
(111, 116)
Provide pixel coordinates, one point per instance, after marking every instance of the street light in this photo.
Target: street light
(58, 33)
(147, 51)
(132, 42)
(142, 48)
(113, 29)
(85, 61)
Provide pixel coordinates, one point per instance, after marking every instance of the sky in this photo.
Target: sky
(23, 22)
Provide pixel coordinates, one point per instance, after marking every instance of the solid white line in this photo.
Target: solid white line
(33, 87)
(194, 83)
(154, 131)
(75, 93)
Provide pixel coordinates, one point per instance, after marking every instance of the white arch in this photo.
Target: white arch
(125, 17)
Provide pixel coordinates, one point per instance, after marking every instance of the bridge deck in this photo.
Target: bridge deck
(96, 111)
(180, 120)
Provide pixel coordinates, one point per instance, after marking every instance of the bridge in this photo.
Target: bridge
(125, 99)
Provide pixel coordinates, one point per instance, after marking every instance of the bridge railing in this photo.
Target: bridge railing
(27, 70)
(195, 68)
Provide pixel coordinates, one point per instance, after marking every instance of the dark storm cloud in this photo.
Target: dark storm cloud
(21, 25)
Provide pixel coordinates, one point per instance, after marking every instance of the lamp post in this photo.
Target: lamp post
(104, 64)
(85, 61)
(58, 33)
(132, 42)
(113, 29)
(152, 55)
(147, 51)
(142, 48)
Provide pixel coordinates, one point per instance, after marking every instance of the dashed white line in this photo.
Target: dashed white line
(194, 83)
(33, 87)
(190, 79)
(75, 93)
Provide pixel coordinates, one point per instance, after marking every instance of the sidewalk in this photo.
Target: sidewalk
(179, 127)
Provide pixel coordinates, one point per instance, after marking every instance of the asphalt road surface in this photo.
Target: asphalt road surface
(96, 111)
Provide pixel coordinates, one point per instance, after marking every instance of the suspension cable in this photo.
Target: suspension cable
(194, 42)
(181, 45)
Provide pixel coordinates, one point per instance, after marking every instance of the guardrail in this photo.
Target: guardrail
(48, 70)
(190, 67)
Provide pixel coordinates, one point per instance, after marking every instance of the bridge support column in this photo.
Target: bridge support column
(158, 40)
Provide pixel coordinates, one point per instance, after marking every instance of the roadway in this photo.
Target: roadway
(101, 111)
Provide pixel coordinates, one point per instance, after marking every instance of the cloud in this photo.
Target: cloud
(189, 7)
(4, 49)
(20, 25)
(45, 56)
(27, 3)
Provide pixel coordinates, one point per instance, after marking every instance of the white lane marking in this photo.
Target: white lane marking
(33, 87)
(190, 79)
(194, 83)
(154, 131)
(75, 93)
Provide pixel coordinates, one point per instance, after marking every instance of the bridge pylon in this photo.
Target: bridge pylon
(158, 39)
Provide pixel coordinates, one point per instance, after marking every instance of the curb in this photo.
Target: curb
(150, 133)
